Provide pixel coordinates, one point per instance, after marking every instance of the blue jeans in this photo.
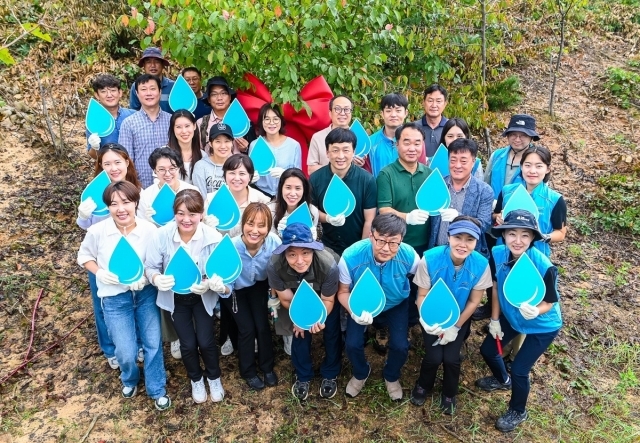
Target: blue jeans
(105, 342)
(123, 314)
(301, 350)
(533, 347)
(396, 320)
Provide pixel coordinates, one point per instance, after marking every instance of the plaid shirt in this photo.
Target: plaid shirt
(141, 136)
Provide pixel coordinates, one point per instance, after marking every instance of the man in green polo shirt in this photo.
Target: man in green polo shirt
(398, 184)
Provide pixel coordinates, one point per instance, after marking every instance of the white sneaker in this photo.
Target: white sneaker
(287, 339)
(175, 350)
(198, 391)
(140, 355)
(113, 362)
(217, 392)
(255, 348)
(227, 348)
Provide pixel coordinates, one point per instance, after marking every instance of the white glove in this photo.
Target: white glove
(149, 213)
(529, 312)
(255, 177)
(338, 220)
(86, 208)
(107, 277)
(364, 320)
(282, 224)
(495, 329)
(417, 217)
(448, 214)
(276, 172)
(164, 282)
(199, 288)
(431, 330)
(139, 285)
(449, 335)
(495, 202)
(211, 221)
(314, 233)
(94, 141)
(216, 284)
(273, 303)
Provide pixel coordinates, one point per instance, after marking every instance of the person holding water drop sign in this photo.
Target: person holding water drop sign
(467, 275)
(391, 262)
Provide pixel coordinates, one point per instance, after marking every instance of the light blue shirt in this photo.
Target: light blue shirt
(288, 155)
(254, 268)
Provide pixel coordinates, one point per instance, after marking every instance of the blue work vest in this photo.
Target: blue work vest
(391, 275)
(549, 321)
(461, 282)
(499, 171)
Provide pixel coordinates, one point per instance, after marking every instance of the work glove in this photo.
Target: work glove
(529, 312)
(107, 277)
(282, 224)
(149, 213)
(364, 320)
(495, 329)
(211, 221)
(338, 220)
(216, 284)
(94, 141)
(417, 217)
(199, 288)
(276, 172)
(86, 208)
(255, 177)
(164, 282)
(449, 335)
(449, 214)
(273, 303)
(139, 285)
(431, 330)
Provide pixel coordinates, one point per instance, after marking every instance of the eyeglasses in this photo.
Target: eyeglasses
(393, 246)
(274, 120)
(519, 135)
(339, 110)
(162, 171)
(219, 94)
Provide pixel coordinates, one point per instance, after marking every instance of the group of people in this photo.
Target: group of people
(472, 245)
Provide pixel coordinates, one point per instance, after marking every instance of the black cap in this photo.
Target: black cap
(522, 123)
(519, 219)
(218, 80)
(220, 128)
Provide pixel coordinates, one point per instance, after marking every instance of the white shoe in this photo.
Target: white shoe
(198, 391)
(255, 348)
(140, 355)
(217, 392)
(287, 339)
(175, 350)
(227, 347)
(113, 362)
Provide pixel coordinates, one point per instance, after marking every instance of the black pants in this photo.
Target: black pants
(228, 326)
(196, 330)
(447, 355)
(250, 312)
(491, 242)
(414, 314)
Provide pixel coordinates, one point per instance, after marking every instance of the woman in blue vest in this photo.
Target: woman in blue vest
(466, 273)
(541, 323)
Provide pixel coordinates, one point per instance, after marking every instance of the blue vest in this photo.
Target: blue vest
(391, 275)
(476, 165)
(460, 283)
(545, 198)
(547, 322)
(383, 151)
(499, 171)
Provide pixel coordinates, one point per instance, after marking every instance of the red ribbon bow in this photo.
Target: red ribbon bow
(300, 126)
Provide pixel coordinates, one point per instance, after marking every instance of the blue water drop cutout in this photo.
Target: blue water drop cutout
(163, 205)
(524, 284)
(521, 199)
(262, 156)
(367, 295)
(126, 263)
(95, 189)
(433, 194)
(338, 199)
(182, 96)
(363, 141)
(306, 308)
(184, 271)
(440, 160)
(301, 215)
(237, 118)
(224, 261)
(440, 306)
(225, 208)
(98, 120)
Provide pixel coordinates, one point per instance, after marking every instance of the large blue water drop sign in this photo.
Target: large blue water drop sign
(301, 215)
(440, 306)
(338, 199)
(363, 145)
(367, 295)
(237, 118)
(433, 194)
(306, 308)
(163, 205)
(184, 271)
(224, 261)
(524, 284)
(95, 189)
(440, 160)
(126, 263)
(262, 157)
(520, 199)
(182, 96)
(98, 120)
(225, 208)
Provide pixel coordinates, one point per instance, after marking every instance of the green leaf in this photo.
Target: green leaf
(35, 31)
(6, 58)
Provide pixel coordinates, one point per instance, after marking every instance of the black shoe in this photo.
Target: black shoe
(491, 384)
(381, 341)
(328, 388)
(448, 404)
(418, 395)
(270, 379)
(507, 364)
(510, 420)
(255, 383)
(300, 390)
(481, 313)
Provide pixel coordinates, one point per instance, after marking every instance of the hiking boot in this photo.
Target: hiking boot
(217, 392)
(129, 392)
(163, 403)
(141, 354)
(448, 404)
(287, 340)
(113, 362)
(300, 390)
(328, 388)
(381, 341)
(227, 347)
(510, 420)
(270, 379)
(394, 389)
(418, 395)
(481, 313)
(255, 383)
(198, 391)
(491, 384)
(175, 350)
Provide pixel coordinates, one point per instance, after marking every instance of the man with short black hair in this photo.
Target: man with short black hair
(193, 77)
(432, 122)
(147, 129)
(153, 63)
(108, 92)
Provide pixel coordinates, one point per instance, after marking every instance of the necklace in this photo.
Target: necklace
(125, 227)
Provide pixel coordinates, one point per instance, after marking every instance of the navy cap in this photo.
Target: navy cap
(298, 235)
(465, 227)
(522, 123)
(153, 52)
(219, 129)
(219, 80)
(519, 219)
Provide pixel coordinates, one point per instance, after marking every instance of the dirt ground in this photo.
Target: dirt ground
(70, 390)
